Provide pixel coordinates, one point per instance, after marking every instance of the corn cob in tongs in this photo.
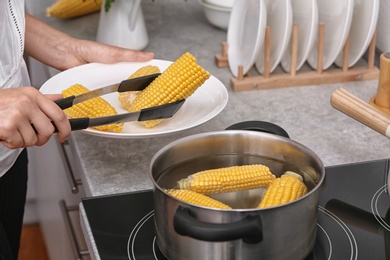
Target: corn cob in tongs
(179, 81)
(87, 109)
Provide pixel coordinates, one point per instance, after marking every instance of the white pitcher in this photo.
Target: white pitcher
(123, 25)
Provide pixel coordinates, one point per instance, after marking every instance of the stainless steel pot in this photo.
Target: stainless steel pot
(187, 231)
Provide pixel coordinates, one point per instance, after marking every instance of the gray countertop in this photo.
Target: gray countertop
(110, 166)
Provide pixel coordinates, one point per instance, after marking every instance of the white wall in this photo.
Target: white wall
(383, 28)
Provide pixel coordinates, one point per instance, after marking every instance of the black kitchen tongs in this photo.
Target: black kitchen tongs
(134, 84)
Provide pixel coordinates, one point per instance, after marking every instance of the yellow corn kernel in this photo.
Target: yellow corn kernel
(65, 9)
(197, 199)
(283, 190)
(127, 98)
(95, 107)
(228, 179)
(178, 81)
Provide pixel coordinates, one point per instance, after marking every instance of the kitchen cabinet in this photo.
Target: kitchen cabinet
(57, 199)
(55, 189)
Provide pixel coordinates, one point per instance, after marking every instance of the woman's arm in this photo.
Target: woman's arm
(62, 51)
(27, 116)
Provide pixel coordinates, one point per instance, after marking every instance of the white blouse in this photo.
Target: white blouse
(13, 70)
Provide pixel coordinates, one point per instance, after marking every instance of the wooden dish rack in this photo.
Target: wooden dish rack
(294, 78)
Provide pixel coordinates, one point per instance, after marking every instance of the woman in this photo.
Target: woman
(26, 115)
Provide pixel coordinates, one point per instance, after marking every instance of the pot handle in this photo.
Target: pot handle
(260, 126)
(249, 228)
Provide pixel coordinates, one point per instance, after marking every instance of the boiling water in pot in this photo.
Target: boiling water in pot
(237, 200)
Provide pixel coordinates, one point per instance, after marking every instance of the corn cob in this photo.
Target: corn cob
(228, 179)
(127, 98)
(94, 107)
(197, 199)
(178, 81)
(66, 9)
(287, 188)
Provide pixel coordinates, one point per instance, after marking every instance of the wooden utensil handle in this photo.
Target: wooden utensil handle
(361, 111)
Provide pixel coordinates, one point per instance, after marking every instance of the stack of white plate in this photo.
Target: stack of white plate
(363, 26)
(217, 12)
(249, 19)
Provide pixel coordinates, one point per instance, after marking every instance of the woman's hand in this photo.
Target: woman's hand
(83, 51)
(27, 118)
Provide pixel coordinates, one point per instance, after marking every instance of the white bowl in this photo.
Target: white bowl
(215, 15)
(221, 3)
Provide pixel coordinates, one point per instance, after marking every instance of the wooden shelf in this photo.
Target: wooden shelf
(295, 78)
(303, 79)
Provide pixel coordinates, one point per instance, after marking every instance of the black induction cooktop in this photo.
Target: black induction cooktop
(353, 220)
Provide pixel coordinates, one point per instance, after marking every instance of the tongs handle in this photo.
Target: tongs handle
(76, 124)
(151, 113)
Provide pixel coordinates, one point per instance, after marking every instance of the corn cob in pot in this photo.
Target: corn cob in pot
(228, 179)
(282, 190)
(197, 199)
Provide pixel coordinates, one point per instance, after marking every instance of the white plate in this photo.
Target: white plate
(305, 15)
(364, 20)
(207, 101)
(245, 33)
(279, 19)
(337, 17)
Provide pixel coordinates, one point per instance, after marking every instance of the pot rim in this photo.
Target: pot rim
(239, 132)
